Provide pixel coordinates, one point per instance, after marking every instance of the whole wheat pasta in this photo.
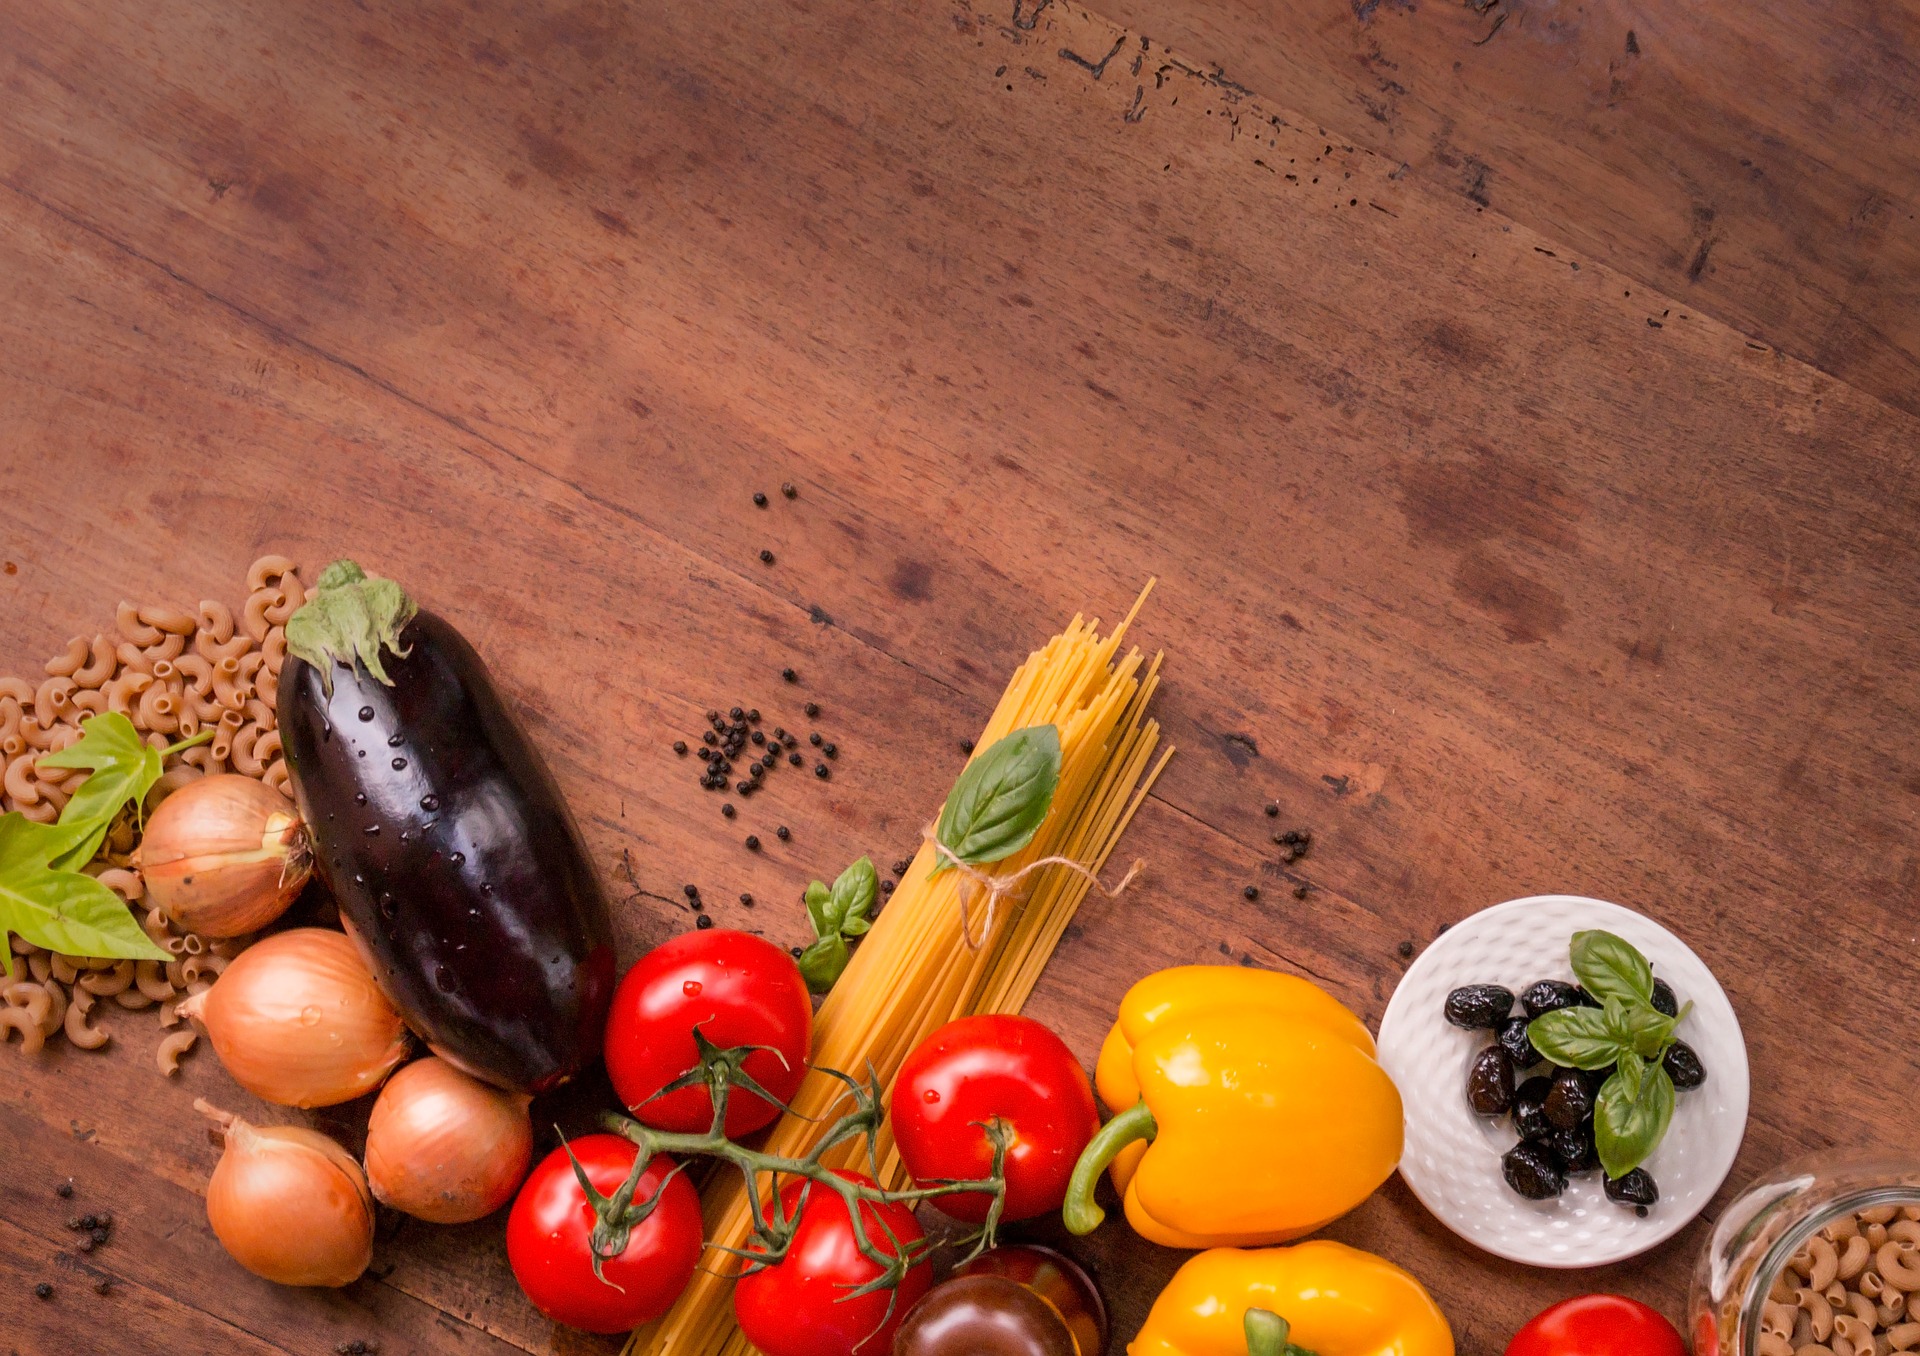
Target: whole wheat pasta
(57, 1009)
(78, 1032)
(1876, 1233)
(216, 650)
(1905, 1230)
(150, 978)
(127, 884)
(132, 999)
(88, 701)
(1899, 1265)
(22, 787)
(159, 712)
(1775, 1317)
(1773, 1344)
(50, 700)
(254, 615)
(216, 620)
(66, 969)
(18, 1019)
(99, 666)
(1841, 1229)
(1786, 1286)
(268, 570)
(1879, 1214)
(170, 1012)
(259, 712)
(273, 650)
(207, 966)
(24, 993)
(127, 618)
(64, 664)
(1855, 1329)
(102, 984)
(40, 965)
(197, 671)
(1891, 1308)
(278, 778)
(1813, 1349)
(292, 595)
(16, 690)
(1904, 1336)
(168, 647)
(1861, 1307)
(1854, 1257)
(162, 617)
(1822, 1263)
(166, 1055)
(1819, 1311)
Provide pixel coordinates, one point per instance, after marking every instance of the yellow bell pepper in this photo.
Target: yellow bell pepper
(1252, 1110)
(1314, 1299)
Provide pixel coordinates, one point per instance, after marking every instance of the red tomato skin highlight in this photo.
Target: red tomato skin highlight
(551, 1222)
(797, 1307)
(740, 990)
(972, 1070)
(1598, 1325)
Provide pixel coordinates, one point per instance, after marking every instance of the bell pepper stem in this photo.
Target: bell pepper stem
(1080, 1212)
(1267, 1335)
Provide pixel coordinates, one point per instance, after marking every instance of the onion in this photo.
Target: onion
(297, 1019)
(444, 1147)
(289, 1204)
(224, 855)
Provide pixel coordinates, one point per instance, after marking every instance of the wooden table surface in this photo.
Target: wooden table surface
(1516, 403)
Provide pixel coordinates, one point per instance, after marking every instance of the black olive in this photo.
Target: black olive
(1573, 1148)
(1663, 999)
(1636, 1188)
(1533, 1172)
(1529, 1109)
(1548, 995)
(1479, 1005)
(1514, 1039)
(1490, 1082)
(1570, 1100)
(1683, 1066)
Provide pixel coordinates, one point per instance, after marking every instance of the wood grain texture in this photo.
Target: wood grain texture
(1757, 161)
(1497, 570)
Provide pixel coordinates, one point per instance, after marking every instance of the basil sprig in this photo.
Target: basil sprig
(837, 913)
(1625, 1033)
(1001, 799)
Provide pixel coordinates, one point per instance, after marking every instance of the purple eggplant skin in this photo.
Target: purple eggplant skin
(454, 860)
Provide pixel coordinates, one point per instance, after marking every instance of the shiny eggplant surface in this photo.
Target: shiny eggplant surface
(442, 835)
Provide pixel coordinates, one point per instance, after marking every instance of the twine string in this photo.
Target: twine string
(997, 887)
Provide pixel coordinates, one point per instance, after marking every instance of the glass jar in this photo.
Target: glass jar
(1768, 1223)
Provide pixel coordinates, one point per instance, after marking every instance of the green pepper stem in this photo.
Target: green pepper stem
(1267, 1335)
(1080, 1212)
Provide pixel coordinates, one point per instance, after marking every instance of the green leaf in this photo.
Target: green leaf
(837, 914)
(63, 911)
(1611, 967)
(1631, 1115)
(1640, 1027)
(1001, 799)
(1577, 1038)
(123, 769)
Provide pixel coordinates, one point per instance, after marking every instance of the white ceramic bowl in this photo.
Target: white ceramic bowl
(1452, 1157)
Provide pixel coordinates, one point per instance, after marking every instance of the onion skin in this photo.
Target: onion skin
(289, 1204)
(444, 1147)
(224, 855)
(297, 1020)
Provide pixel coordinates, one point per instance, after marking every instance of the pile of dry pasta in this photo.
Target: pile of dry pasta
(173, 672)
(1847, 1292)
(915, 971)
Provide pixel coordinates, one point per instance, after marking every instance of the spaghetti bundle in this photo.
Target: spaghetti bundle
(919, 968)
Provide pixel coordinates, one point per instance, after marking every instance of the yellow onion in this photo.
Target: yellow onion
(444, 1147)
(289, 1204)
(224, 855)
(297, 1019)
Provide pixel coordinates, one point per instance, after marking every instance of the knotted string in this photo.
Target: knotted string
(999, 887)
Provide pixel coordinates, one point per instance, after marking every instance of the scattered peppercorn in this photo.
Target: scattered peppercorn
(887, 887)
(753, 715)
(102, 1286)
(753, 842)
(690, 891)
(1273, 810)
(86, 1243)
(713, 715)
(795, 759)
(766, 557)
(966, 746)
(709, 738)
(64, 1190)
(680, 747)
(759, 499)
(1300, 892)
(900, 866)
(820, 771)
(759, 738)
(790, 675)
(99, 1236)
(703, 922)
(746, 901)
(1251, 892)
(744, 788)
(73, 1223)
(814, 739)
(90, 1221)
(789, 491)
(795, 950)
(727, 810)
(782, 833)
(43, 1291)
(812, 709)
(830, 749)
(1406, 950)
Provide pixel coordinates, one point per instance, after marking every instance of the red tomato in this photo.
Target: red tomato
(799, 1305)
(975, 1069)
(549, 1229)
(739, 990)
(1598, 1325)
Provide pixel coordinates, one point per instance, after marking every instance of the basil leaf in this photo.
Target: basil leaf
(1611, 967)
(1001, 799)
(1640, 1027)
(1631, 1115)
(123, 769)
(1577, 1038)
(837, 914)
(63, 911)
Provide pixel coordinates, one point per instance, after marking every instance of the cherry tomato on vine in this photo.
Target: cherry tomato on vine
(739, 990)
(975, 1070)
(549, 1229)
(1598, 1325)
(799, 1307)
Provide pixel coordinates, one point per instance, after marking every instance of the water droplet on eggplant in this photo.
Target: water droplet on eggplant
(429, 802)
(446, 979)
(457, 858)
(399, 765)
(359, 798)
(394, 741)
(366, 713)
(371, 831)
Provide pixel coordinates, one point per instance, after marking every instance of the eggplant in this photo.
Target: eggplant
(443, 837)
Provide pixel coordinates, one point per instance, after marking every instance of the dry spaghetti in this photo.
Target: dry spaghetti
(916, 971)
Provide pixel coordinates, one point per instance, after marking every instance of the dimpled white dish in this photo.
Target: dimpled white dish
(1452, 1157)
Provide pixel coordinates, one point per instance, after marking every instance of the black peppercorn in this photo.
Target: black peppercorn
(1406, 950)
(746, 901)
(900, 866)
(86, 1243)
(680, 747)
(814, 739)
(795, 759)
(703, 921)
(690, 891)
(1300, 892)
(1251, 892)
(789, 741)
(766, 557)
(795, 950)
(966, 746)
(783, 833)
(887, 887)
(820, 771)
(43, 1291)
(812, 709)
(713, 715)
(759, 499)
(90, 1221)
(790, 675)
(727, 810)
(788, 490)
(64, 1190)
(744, 788)
(709, 738)
(1273, 810)
(831, 749)
(753, 843)
(758, 738)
